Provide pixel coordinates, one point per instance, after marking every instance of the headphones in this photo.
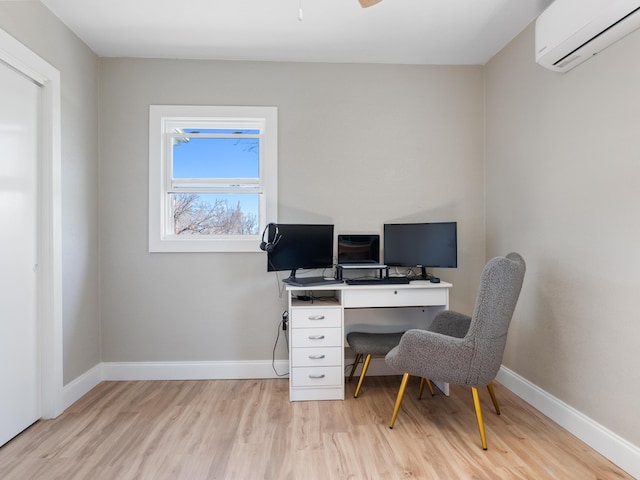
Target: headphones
(269, 245)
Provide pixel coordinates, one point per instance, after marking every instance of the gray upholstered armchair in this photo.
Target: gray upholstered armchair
(460, 349)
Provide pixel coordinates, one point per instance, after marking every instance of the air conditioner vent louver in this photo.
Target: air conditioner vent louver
(567, 61)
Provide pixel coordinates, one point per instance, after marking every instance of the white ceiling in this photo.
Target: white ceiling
(454, 32)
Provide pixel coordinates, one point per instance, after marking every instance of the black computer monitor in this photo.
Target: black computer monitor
(300, 246)
(425, 245)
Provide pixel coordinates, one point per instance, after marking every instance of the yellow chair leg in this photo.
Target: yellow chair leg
(422, 383)
(367, 360)
(476, 404)
(355, 365)
(396, 409)
(430, 387)
(493, 398)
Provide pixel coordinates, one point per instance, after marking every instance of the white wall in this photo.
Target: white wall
(37, 28)
(563, 176)
(359, 145)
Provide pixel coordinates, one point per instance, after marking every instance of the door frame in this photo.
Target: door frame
(47, 77)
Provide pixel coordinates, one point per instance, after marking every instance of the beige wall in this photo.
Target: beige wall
(563, 176)
(359, 145)
(36, 27)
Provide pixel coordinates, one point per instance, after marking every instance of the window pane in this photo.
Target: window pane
(216, 158)
(211, 214)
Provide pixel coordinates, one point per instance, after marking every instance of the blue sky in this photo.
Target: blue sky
(216, 158)
(220, 158)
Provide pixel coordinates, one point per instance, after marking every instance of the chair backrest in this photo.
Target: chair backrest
(498, 294)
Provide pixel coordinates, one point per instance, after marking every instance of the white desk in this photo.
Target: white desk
(317, 335)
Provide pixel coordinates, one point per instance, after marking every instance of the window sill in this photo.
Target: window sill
(177, 244)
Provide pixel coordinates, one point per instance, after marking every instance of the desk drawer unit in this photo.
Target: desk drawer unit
(302, 317)
(316, 337)
(394, 297)
(316, 358)
(317, 376)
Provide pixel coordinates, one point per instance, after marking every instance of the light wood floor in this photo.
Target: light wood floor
(248, 430)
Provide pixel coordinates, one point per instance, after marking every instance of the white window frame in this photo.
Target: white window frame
(161, 120)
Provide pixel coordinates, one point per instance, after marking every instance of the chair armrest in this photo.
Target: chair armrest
(451, 323)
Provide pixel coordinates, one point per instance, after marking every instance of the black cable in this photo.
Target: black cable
(281, 325)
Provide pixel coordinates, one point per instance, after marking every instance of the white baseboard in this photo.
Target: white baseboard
(618, 450)
(193, 370)
(81, 386)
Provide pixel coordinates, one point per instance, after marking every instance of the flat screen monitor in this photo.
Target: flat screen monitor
(300, 246)
(358, 249)
(432, 245)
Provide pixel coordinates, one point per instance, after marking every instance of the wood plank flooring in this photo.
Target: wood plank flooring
(248, 430)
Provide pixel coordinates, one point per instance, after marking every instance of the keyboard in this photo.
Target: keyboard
(310, 281)
(378, 281)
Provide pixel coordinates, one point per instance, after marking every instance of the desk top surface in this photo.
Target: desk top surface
(343, 286)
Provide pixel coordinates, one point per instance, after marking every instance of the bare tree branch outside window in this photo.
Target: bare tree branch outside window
(193, 215)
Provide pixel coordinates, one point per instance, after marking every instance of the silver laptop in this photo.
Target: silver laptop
(359, 251)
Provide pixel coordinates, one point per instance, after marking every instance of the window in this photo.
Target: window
(212, 177)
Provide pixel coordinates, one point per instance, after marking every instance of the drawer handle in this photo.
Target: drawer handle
(316, 357)
(316, 337)
(317, 376)
(316, 317)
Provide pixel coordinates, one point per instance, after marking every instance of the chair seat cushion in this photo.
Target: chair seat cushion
(373, 343)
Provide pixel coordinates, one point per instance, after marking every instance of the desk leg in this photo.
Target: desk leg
(444, 387)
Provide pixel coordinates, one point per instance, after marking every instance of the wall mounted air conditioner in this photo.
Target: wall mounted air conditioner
(569, 32)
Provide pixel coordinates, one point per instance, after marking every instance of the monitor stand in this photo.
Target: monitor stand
(427, 276)
(308, 281)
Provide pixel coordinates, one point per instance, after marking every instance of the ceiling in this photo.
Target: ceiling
(453, 32)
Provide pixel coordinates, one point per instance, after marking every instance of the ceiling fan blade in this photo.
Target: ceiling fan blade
(368, 3)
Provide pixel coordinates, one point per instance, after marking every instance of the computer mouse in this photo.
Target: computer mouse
(434, 280)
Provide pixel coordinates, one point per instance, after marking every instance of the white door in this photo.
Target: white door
(19, 347)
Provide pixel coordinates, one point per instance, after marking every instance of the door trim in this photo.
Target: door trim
(47, 77)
